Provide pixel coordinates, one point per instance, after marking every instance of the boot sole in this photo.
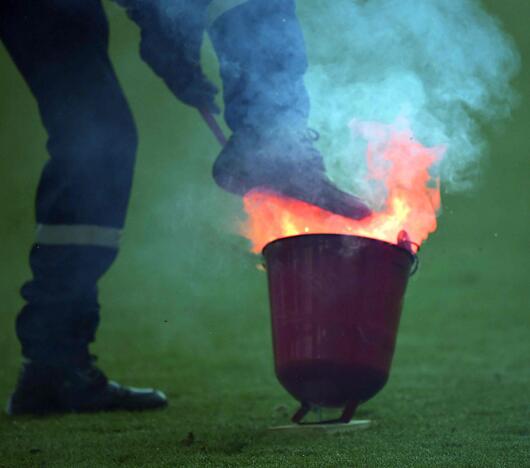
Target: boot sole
(234, 184)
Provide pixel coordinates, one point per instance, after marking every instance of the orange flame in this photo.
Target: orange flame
(395, 159)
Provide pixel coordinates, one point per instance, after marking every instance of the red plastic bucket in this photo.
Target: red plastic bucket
(336, 303)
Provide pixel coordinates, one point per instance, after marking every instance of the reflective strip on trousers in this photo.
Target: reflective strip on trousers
(68, 234)
(218, 7)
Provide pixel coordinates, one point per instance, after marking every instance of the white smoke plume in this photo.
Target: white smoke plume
(443, 65)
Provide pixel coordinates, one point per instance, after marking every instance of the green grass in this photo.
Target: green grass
(185, 309)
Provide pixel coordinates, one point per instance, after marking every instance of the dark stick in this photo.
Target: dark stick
(214, 126)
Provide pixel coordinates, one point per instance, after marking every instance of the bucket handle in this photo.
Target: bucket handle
(415, 264)
(410, 246)
(345, 417)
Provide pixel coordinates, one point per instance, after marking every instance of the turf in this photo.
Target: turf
(185, 309)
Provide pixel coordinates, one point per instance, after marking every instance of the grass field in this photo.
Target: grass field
(185, 309)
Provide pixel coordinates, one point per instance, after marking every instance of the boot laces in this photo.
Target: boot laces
(310, 135)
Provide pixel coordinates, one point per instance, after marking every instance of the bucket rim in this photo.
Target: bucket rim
(413, 256)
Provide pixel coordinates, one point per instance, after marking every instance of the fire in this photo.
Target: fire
(394, 159)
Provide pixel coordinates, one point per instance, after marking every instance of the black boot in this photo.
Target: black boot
(284, 161)
(46, 388)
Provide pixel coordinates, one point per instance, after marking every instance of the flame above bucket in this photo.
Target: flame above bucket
(395, 159)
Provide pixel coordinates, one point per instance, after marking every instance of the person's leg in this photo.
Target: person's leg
(60, 48)
(263, 60)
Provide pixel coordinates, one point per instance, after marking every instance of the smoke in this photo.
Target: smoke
(442, 65)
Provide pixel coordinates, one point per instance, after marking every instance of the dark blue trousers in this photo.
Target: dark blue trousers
(60, 48)
(262, 58)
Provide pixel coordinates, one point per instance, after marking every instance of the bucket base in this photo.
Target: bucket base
(354, 425)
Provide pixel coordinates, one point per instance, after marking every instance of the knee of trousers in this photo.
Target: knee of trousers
(94, 136)
(88, 177)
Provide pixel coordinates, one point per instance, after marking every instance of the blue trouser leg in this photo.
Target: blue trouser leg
(60, 48)
(262, 57)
